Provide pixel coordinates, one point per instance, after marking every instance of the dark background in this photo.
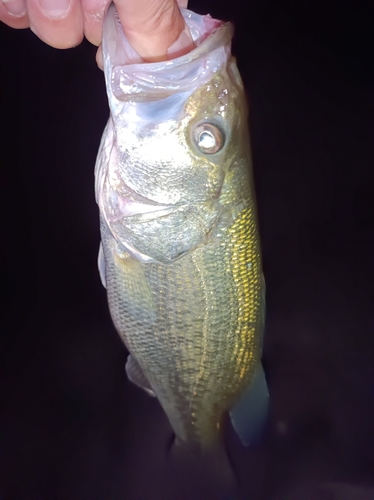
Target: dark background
(71, 425)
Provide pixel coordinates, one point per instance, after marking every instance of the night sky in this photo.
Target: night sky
(71, 425)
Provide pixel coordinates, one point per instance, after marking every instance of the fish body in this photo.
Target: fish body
(180, 254)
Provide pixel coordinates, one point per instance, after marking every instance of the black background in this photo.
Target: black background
(71, 425)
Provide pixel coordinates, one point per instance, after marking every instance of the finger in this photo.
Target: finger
(152, 27)
(14, 13)
(93, 13)
(99, 54)
(58, 23)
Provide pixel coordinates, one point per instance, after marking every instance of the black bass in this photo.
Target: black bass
(180, 254)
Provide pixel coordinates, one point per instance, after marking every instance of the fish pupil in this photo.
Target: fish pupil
(207, 140)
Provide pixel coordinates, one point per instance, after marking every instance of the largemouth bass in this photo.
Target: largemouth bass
(180, 254)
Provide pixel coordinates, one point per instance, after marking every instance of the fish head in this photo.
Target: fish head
(175, 123)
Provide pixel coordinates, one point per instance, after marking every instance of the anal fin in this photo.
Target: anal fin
(101, 265)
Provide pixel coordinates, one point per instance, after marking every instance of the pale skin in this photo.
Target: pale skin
(151, 26)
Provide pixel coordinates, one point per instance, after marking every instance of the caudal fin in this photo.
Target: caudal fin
(202, 475)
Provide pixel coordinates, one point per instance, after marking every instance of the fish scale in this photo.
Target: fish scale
(201, 348)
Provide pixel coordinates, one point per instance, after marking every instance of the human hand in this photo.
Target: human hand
(151, 26)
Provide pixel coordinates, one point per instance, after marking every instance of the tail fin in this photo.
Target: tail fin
(202, 474)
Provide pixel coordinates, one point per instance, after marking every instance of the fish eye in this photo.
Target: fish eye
(209, 138)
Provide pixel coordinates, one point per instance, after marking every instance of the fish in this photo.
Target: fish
(180, 253)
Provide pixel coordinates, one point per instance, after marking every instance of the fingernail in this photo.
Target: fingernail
(182, 45)
(16, 8)
(55, 8)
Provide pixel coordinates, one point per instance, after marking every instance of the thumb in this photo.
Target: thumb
(155, 28)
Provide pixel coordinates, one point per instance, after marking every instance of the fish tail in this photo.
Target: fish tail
(202, 473)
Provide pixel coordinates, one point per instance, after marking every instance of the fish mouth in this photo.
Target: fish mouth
(207, 36)
(129, 78)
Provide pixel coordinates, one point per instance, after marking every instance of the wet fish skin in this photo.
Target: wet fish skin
(181, 256)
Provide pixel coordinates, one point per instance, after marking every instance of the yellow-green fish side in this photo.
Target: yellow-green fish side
(194, 326)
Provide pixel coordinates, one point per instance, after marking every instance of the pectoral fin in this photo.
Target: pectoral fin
(136, 375)
(136, 294)
(101, 265)
(248, 416)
